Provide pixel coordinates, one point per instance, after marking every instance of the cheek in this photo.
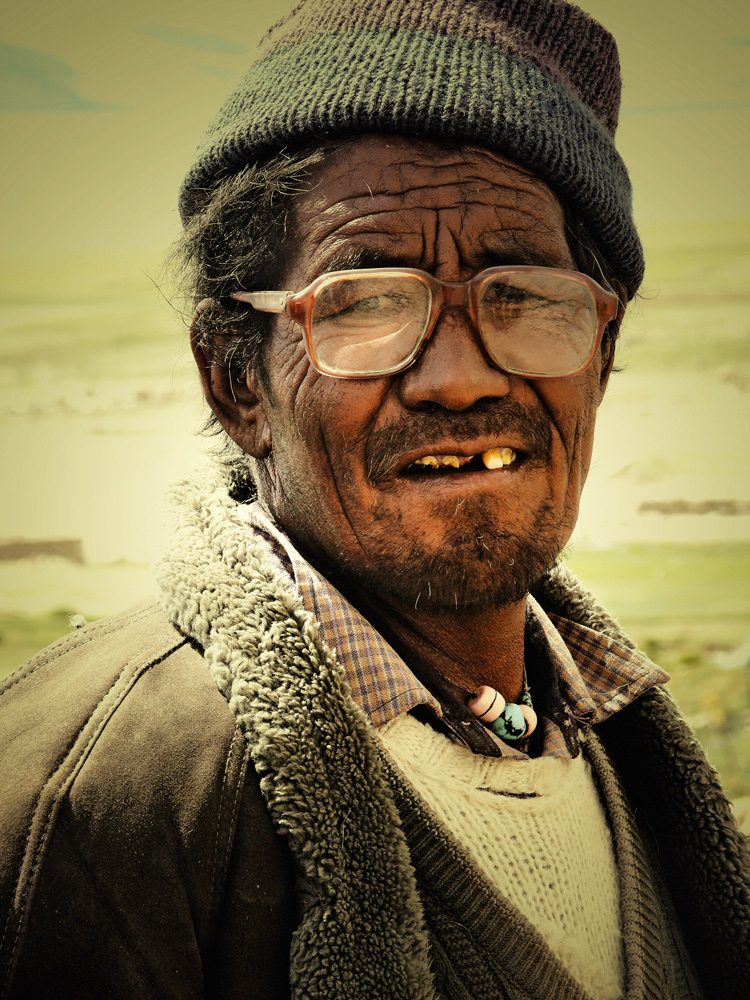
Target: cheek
(572, 407)
(323, 429)
(583, 448)
(287, 361)
(347, 411)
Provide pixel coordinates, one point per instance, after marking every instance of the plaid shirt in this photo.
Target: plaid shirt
(596, 675)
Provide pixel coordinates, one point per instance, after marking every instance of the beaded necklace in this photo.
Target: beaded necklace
(510, 721)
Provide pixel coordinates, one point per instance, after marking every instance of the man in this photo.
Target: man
(356, 757)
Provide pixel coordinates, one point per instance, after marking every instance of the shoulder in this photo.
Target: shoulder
(131, 685)
(124, 777)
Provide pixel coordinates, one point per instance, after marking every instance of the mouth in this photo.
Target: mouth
(501, 458)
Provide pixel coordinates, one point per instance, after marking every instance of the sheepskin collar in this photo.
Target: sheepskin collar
(289, 695)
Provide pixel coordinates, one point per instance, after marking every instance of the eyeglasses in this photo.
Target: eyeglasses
(539, 322)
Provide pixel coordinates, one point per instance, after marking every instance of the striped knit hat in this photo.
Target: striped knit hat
(535, 80)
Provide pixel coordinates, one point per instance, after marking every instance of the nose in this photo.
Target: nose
(453, 370)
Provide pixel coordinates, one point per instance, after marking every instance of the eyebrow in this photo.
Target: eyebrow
(522, 251)
(354, 258)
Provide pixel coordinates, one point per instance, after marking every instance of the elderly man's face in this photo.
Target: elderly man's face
(338, 477)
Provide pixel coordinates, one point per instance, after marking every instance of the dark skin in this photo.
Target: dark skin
(440, 564)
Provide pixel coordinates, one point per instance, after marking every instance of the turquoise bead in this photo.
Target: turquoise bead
(510, 725)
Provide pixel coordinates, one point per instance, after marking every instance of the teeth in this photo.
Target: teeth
(496, 458)
(493, 459)
(434, 463)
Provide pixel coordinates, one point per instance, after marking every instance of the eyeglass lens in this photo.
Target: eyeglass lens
(530, 323)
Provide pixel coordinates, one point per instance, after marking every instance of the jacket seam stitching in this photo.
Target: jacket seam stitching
(237, 735)
(238, 790)
(56, 803)
(90, 636)
(37, 804)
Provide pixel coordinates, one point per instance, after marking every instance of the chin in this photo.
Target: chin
(478, 572)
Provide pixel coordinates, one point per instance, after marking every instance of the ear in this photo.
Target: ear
(238, 403)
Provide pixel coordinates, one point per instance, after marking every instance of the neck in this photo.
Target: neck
(466, 647)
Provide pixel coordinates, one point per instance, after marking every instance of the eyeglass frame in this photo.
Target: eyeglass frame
(463, 294)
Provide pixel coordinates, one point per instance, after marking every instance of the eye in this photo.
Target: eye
(373, 303)
(350, 303)
(510, 295)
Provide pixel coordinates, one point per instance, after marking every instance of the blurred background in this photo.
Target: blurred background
(101, 106)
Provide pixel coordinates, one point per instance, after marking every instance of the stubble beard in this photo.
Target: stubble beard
(476, 567)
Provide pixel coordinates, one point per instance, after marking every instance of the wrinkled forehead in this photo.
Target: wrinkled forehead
(389, 200)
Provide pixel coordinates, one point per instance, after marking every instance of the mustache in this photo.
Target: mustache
(487, 418)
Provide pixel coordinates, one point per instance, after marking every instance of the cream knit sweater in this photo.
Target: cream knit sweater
(538, 830)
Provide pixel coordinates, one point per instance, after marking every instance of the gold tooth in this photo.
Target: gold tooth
(451, 460)
(493, 459)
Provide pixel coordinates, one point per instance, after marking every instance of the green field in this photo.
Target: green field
(688, 608)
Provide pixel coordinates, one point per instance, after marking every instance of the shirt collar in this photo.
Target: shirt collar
(597, 675)
(381, 683)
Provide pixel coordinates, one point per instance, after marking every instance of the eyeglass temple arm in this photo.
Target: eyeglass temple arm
(272, 302)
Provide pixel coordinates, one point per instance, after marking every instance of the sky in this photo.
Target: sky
(103, 103)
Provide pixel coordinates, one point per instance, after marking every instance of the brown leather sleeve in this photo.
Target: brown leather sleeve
(139, 858)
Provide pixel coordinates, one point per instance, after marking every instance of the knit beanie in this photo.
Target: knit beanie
(535, 80)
